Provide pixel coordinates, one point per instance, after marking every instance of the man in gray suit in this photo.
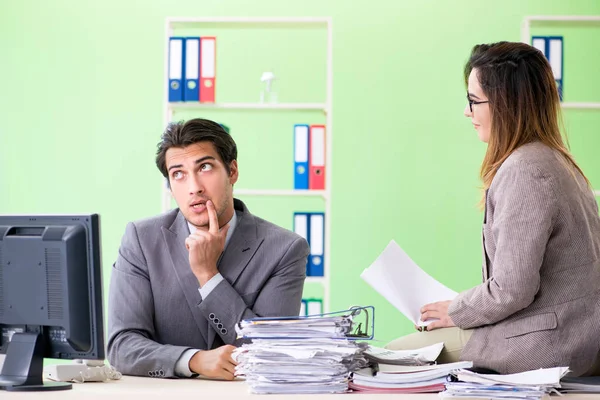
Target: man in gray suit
(184, 279)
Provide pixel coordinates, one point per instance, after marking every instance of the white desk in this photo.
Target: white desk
(198, 389)
(130, 388)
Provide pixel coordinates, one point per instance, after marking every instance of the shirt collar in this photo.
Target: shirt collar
(232, 225)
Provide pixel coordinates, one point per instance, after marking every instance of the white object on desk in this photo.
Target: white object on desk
(81, 371)
(404, 284)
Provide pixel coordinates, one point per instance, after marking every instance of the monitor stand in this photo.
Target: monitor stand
(24, 364)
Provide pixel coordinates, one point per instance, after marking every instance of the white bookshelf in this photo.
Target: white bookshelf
(285, 193)
(569, 19)
(250, 106)
(580, 105)
(173, 23)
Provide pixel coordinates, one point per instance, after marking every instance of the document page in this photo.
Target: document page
(404, 284)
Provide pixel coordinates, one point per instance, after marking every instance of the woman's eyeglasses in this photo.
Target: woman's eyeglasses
(471, 102)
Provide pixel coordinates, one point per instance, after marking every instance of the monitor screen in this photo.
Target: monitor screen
(50, 295)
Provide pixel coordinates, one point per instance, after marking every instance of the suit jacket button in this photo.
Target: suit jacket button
(224, 331)
(220, 326)
(216, 320)
(211, 316)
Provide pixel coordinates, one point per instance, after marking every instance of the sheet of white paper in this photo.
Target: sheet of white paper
(385, 369)
(404, 284)
(537, 377)
(428, 353)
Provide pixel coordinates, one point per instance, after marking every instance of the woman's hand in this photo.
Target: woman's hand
(437, 310)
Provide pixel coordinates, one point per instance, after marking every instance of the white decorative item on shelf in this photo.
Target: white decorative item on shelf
(268, 102)
(267, 95)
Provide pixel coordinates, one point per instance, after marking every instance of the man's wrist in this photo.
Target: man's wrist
(195, 363)
(206, 275)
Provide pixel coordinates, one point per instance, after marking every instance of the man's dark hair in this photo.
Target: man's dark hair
(182, 134)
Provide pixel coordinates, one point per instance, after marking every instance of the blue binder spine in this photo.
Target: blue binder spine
(176, 68)
(552, 48)
(301, 227)
(191, 91)
(301, 157)
(316, 235)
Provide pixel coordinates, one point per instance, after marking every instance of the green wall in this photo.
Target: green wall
(81, 112)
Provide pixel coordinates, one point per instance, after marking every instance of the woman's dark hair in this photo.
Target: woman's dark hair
(523, 98)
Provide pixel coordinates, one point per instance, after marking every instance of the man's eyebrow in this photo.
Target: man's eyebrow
(198, 161)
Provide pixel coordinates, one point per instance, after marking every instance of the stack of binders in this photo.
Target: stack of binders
(192, 69)
(299, 355)
(309, 157)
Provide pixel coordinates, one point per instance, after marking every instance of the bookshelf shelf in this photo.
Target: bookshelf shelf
(288, 193)
(249, 106)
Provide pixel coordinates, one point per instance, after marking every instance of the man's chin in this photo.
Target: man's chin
(197, 221)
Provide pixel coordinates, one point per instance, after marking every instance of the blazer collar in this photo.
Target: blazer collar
(175, 236)
(243, 244)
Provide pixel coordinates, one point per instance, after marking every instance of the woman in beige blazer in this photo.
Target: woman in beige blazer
(539, 304)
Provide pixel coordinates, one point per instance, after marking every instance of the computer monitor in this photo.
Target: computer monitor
(50, 295)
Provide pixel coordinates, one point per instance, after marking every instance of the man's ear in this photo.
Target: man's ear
(233, 172)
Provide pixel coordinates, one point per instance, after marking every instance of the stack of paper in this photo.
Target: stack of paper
(582, 384)
(405, 379)
(422, 356)
(530, 385)
(303, 328)
(404, 371)
(304, 355)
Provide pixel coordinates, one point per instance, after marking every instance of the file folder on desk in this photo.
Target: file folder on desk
(359, 320)
(176, 68)
(192, 69)
(311, 226)
(316, 180)
(208, 64)
(301, 157)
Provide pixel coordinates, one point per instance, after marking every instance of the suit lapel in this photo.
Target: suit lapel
(241, 247)
(175, 236)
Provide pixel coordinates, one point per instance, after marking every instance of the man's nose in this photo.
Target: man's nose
(196, 185)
